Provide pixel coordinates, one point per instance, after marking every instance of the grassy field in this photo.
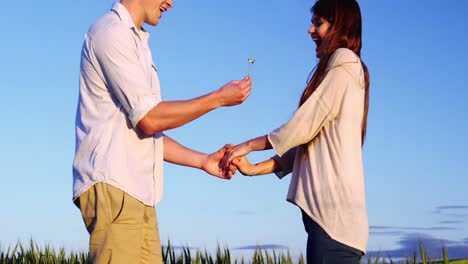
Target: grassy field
(33, 254)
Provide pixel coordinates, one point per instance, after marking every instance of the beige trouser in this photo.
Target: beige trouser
(122, 229)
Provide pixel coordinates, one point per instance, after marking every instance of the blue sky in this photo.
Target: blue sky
(414, 157)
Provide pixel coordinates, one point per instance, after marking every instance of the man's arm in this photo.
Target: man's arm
(180, 155)
(114, 51)
(168, 115)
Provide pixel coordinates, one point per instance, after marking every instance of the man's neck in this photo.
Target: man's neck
(135, 10)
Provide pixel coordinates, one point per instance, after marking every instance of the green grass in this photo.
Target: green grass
(37, 255)
(424, 258)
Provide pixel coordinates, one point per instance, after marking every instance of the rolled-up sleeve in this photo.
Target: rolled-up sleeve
(286, 162)
(117, 56)
(321, 107)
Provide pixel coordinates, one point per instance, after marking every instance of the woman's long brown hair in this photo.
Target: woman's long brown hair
(345, 32)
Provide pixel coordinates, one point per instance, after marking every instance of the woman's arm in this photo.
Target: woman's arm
(255, 144)
(265, 167)
(320, 108)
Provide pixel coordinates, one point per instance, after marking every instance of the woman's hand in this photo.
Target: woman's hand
(236, 152)
(255, 144)
(244, 166)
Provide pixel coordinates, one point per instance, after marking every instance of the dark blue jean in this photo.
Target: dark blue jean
(322, 249)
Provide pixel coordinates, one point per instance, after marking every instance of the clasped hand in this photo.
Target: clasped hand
(235, 156)
(224, 162)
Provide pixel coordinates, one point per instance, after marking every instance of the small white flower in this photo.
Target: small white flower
(251, 62)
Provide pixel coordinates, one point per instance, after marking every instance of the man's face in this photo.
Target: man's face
(153, 10)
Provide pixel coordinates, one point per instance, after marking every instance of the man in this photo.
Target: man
(120, 145)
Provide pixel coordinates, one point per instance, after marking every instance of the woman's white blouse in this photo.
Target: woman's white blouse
(327, 182)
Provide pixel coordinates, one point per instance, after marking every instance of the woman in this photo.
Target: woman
(322, 142)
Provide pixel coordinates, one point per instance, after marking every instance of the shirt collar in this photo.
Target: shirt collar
(347, 58)
(342, 56)
(125, 17)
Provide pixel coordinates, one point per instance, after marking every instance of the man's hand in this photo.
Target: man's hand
(212, 164)
(235, 92)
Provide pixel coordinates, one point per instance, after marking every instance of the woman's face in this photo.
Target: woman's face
(318, 30)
